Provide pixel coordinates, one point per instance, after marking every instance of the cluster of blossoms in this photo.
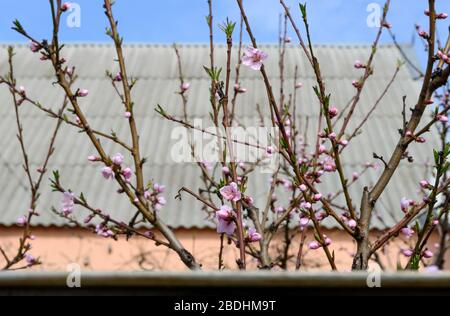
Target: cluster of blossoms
(154, 196)
(104, 231)
(68, 203)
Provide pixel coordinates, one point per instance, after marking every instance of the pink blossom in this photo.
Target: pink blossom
(68, 203)
(304, 221)
(118, 159)
(305, 205)
(441, 16)
(427, 254)
(303, 187)
(65, 6)
(107, 173)
(407, 252)
(279, 209)
(405, 204)
(83, 93)
(30, 259)
(313, 245)
(423, 34)
(159, 188)
(127, 115)
(254, 58)
(147, 195)
(34, 47)
(226, 170)
(185, 87)
(127, 173)
(231, 192)
(435, 222)
(160, 202)
(328, 241)
(408, 232)
(355, 83)
(352, 223)
(252, 235)
(225, 217)
(355, 176)
(333, 111)
(317, 197)
(22, 221)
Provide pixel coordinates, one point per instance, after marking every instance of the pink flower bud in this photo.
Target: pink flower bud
(442, 16)
(359, 65)
(322, 149)
(94, 158)
(83, 93)
(127, 115)
(65, 6)
(34, 47)
(328, 241)
(407, 252)
(424, 184)
(22, 221)
(343, 142)
(442, 118)
(333, 111)
(332, 136)
(298, 85)
(118, 77)
(427, 254)
(355, 83)
(317, 197)
(355, 176)
(313, 245)
(303, 187)
(408, 232)
(185, 87)
(352, 223)
(270, 150)
(22, 90)
(435, 222)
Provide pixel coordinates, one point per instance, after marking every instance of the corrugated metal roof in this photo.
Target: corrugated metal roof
(155, 67)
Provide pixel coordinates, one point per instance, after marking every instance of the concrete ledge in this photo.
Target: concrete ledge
(226, 279)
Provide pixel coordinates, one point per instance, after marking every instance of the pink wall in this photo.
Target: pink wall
(58, 247)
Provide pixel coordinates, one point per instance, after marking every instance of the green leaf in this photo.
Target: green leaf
(303, 10)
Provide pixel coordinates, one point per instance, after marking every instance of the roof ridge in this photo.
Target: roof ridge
(200, 44)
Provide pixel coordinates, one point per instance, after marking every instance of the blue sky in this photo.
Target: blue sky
(168, 21)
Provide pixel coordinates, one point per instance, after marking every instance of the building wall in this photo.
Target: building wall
(59, 247)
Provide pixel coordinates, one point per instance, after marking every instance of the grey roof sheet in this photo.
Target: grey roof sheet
(155, 66)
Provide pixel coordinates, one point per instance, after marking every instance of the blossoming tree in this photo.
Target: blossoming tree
(244, 222)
